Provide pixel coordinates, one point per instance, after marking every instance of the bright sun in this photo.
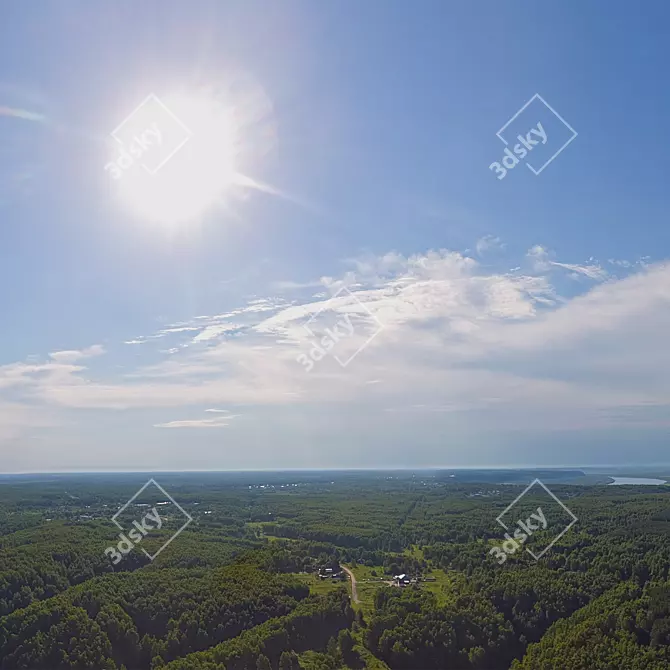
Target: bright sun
(196, 176)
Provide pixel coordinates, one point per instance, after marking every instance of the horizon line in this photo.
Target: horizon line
(341, 469)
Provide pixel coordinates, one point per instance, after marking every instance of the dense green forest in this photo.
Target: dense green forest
(255, 582)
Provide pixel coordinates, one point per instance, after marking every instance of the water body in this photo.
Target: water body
(636, 480)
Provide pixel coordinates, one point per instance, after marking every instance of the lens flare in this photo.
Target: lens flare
(21, 114)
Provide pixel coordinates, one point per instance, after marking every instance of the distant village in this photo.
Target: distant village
(405, 580)
(332, 573)
(400, 580)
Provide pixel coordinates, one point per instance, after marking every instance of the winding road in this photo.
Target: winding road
(354, 591)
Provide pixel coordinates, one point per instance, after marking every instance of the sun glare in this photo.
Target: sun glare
(181, 165)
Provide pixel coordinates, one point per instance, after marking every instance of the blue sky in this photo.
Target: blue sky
(514, 321)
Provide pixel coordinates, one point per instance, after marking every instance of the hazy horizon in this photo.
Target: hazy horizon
(606, 469)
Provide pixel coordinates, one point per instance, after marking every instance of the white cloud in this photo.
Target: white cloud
(218, 422)
(212, 332)
(620, 262)
(293, 285)
(540, 259)
(496, 350)
(592, 271)
(488, 243)
(74, 355)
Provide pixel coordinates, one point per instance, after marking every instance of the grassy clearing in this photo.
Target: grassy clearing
(310, 660)
(367, 585)
(447, 585)
(365, 571)
(258, 527)
(319, 586)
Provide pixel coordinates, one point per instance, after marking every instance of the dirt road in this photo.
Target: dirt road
(354, 591)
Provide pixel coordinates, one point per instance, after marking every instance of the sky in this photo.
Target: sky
(344, 247)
